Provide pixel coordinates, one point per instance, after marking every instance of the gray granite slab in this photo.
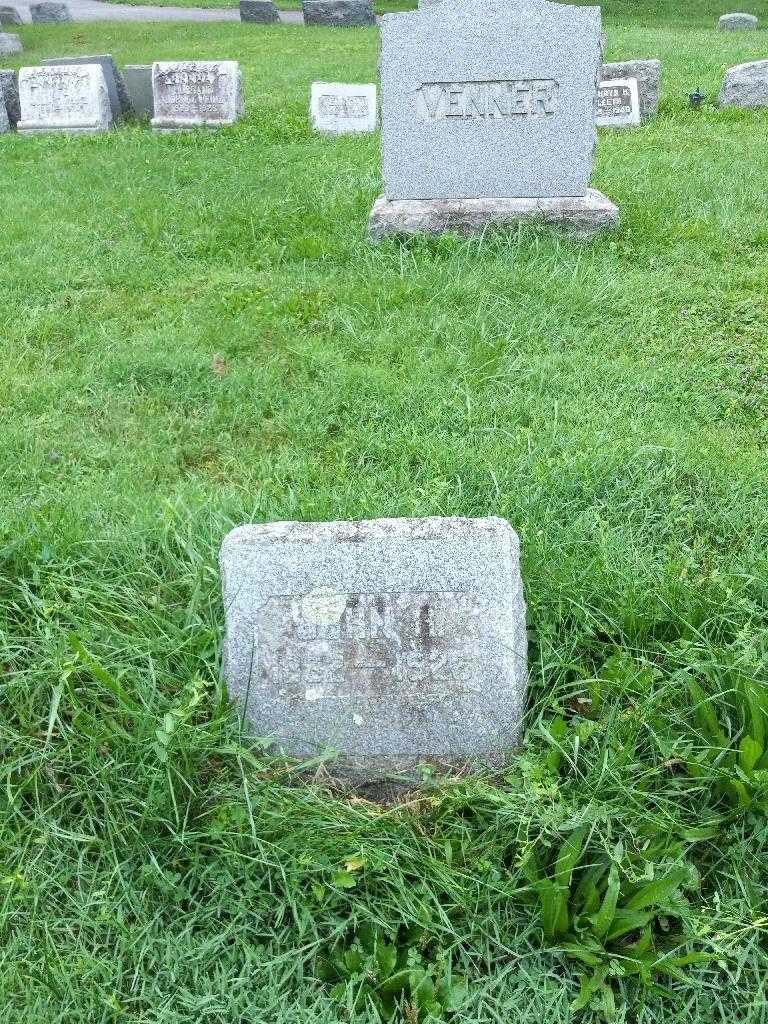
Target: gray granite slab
(10, 16)
(393, 641)
(5, 124)
(746, 85)
(489, 99)
(64, 99)
(262, 12)
(737, 22)
(338, 13)
(10, 44)
(648, 75)
(49, 13)
(115, 85)
(580, 217)
(196, 94)
(137, 79)
(9, 88)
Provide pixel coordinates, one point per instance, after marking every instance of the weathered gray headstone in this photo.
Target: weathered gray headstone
(338, 13)
(262, 12)
(337, 108)
(192, 94)
(115, 86)
(5, 124)
(737, 22)
(49, 13)
(10, 44)
(137, 79)
(489, 100)
(64, 99)
(393, 641)
(746, 85)
(648, 75)
(10, 16)
(618, 105)
(9, 89)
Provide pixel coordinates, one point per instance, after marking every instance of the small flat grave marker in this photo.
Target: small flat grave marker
(196, 94)
(64, 99)
(115, 86)
(10, 44)
(338, 108)
(618, 104)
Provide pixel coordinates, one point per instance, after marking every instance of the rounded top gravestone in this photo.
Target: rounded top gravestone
(49, 13)
(737, 22)
(746, 85)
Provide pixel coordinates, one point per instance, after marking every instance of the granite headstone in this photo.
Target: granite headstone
(9, 88)
(394, 641)
(648, 76)
(737, 22)
(489, 102)
(261, 12)
(746, 85)
(10, 16)
(10, 44)
(49, 13)
(5, 124)
(64, 99)
(193, 94)
(338, 13)
(338, 108)
(618, 104)
(115, 86)
(137, 79)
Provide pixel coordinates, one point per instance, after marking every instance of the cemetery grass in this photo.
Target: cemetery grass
(195, 334)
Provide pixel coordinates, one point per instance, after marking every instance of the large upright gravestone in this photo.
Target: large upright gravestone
(488, 116)
(64, 99)
(393, 641)
(196, 94)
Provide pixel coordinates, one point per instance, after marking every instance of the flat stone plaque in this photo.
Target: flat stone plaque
(618, 104)
(64, 99)
(196, 94)
(489, 99)
(115, 85)
(393, 641)
(647, 73)
(337, 108)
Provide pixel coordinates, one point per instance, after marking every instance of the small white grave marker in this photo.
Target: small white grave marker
(618, 103)
(338, 108)
(71, 98)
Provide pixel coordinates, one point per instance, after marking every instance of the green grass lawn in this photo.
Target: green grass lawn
(194, 334)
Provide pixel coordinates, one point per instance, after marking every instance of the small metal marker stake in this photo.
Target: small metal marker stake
(696, 99)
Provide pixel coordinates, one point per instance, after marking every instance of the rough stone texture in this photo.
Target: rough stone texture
(393, 641)
(195, 94)
(10, 44)
(579, 217)
(115, 87)
(5, 124)
(618, 104)
(64, 99)
(10, 16)
(337, 108)
(338, 13)
(263, 12)
(489, 99)
(49, 13)
(137, 79)
(737, 22)
(9, 89)
(746, 85)
(648, 75)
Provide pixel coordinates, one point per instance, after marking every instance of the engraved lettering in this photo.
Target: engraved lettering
(484, 99)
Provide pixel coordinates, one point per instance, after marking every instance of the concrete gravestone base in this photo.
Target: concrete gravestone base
(261, 12)
(338, 13)
(64, 99)
(746, 85)
(648, 75)
(395, 642)
(10, 44)
(580, 217)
